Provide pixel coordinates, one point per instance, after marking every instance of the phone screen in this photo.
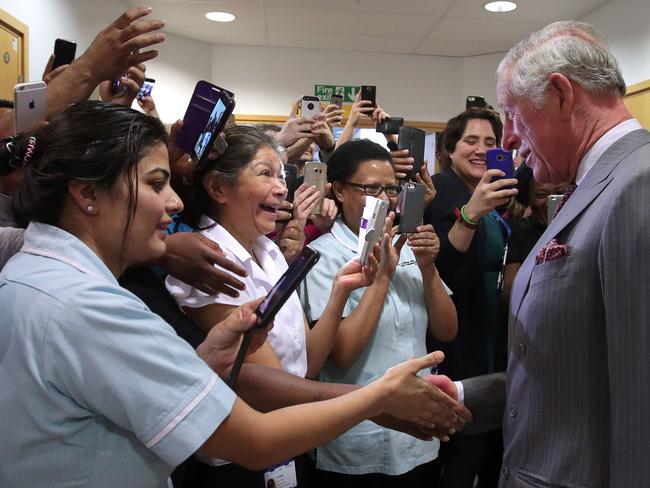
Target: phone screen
(214, 122)
(145, 89)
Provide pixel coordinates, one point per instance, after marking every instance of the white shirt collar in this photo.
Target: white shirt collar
(225, 239)
(602, 144)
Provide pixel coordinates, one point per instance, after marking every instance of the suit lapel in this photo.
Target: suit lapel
(594, 183)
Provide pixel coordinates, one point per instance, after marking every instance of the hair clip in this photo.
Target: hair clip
(31, 146)
(13, 159)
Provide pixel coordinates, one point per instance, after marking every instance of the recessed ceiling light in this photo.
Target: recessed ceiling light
(220, 16)
(500, 6)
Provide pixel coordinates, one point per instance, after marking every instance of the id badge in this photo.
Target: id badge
(281, 475)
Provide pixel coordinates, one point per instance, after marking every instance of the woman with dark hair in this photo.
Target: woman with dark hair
(383, 323)
(96, 389)
(473, 239)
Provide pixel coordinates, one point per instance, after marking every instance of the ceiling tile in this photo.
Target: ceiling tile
(217, 36)
(187, 13)
(425, 7)
(499, 31)
(348, 22)
(346, 43)
(434, 47)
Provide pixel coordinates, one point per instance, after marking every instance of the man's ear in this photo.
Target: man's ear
(215, 187)
(561, 86)
(84, 195)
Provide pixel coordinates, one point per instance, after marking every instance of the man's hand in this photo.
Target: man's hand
(49, 74)
(220, 347)
(295, 128)
(116, 48)
(361, 109)
(191, 257)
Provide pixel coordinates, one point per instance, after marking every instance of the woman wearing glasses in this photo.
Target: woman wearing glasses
(383, 323)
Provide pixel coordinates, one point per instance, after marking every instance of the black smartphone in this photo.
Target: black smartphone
(390, 126)
(474, 101)
(275, 298)
(369, 92)
(412, 138)
(146, 88)
(64, 52)
(411, 206)
(337, 100)
(291, 180)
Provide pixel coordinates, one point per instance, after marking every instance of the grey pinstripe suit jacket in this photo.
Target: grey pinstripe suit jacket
(578, 388)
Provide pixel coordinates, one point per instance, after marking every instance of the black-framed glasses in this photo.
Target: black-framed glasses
(375, 190)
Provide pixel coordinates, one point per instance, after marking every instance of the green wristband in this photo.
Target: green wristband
(466, 218)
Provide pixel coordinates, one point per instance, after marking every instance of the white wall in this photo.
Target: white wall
(625, 24)
(180, 64)
(268, 80)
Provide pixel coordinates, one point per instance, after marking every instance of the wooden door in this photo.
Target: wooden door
(637, 101)
(13, 54)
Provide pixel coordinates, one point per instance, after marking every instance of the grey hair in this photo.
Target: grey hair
(573, 49)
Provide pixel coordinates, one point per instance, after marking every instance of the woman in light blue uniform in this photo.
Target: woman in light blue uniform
(383, 325)
(96, 389)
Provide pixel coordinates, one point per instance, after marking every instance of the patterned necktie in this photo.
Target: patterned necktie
(567, 194)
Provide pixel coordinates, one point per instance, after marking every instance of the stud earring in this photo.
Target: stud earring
(90, 209)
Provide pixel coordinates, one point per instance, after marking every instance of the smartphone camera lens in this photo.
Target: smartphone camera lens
(310, 106)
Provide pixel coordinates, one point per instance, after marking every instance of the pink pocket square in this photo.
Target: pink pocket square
(551, 251)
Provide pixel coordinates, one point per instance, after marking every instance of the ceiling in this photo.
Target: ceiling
(425, 27)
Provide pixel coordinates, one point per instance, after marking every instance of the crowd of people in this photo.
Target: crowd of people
(498, 343)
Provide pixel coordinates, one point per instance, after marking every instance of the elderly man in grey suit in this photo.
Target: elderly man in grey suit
(578, 380)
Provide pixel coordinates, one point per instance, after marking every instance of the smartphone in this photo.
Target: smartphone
(411, 206)
(198, 112)
(64, 52)
(369, 92)
(390, 126)
(371, 226)
(497, 158)
(309, 107)
(275, 298)
(146, 88)
(552, 202)
(316, 175)
(29, 106)
(337, 100)
(412, 138)
(290, 180)
(475, 102)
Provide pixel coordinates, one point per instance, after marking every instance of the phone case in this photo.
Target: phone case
(291, 180)
(552, 202)
(316, 175)
(275, 298)
(29, 106)
(369, 92)
(497, 158)
(196, 117)
(411, 206)
(310, 106)
(371, 226)
(64, 52)
(216, 122)
(390, 126)
(412, 138)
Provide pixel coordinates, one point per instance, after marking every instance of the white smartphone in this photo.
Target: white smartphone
(310, 106)
(29, 106)
(316, 175)
(371, 226)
